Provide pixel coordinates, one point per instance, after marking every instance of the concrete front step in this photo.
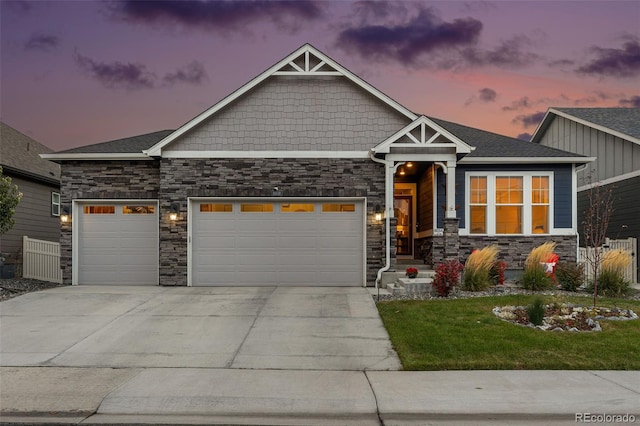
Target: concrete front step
(392, 277)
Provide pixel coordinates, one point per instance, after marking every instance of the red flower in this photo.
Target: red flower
(412, 272)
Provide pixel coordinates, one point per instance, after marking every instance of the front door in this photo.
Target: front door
(403, 211)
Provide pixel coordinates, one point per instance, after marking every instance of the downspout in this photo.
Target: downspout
(389, 170)
(387, 219)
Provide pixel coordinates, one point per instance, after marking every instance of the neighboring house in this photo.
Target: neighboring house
(613, 136)
(37, 215)
(307, 175)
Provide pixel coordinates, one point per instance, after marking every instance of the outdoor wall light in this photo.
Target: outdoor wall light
(64, 215)
(378, 213)
(173, 213)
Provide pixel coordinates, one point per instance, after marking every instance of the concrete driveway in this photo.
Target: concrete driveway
(292, 328)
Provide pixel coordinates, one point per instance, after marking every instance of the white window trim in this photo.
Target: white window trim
(491, 204)
(58, 204)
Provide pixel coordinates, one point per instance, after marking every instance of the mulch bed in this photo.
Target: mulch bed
(565, 317)
(12, 287)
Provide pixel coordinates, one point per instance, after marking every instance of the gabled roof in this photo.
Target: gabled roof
(20, 154)
(423, 139)
(621, 122)
(305, 61)
(492, 147)
(125, 148)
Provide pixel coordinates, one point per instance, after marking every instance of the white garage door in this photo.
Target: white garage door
(275, 242)
(117, 243)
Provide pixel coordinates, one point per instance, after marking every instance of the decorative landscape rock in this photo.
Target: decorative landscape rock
(565, 317)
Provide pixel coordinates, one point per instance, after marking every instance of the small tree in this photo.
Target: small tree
(595, 225)
(9, 199)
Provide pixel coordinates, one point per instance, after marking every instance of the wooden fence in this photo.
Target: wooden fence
(630, 244)
(41, 260)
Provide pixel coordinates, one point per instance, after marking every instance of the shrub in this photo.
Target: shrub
(536, 311)
(611, 284)
(497, 272)
(447, 277)
(476, 269)
(535, 279)
(570, 275)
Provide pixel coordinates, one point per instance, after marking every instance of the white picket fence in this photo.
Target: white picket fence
(630, 244)
(41, 260)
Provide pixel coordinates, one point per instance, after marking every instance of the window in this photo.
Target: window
(138, 209)
(99, 209)
(540, 204)
(478, 205)
(55, 204)
(256, 208)
(297, 208)
(509, 203)
(330, 207)
(508, 196)
(216, 208)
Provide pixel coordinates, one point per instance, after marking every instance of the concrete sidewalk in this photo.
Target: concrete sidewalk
(231, 396)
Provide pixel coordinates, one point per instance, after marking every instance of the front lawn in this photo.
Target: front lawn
(463, 334)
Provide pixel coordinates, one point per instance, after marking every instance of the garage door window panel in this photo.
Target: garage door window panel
(99, 210)
(297, 208)
(338, 208)
(256, 208)
(216, 208)
(138, 209)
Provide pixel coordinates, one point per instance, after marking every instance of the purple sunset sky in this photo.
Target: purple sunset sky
(81, 72)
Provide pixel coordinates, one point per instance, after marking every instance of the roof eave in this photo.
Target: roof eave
(30, 175)
(96, 156)
(527, 160)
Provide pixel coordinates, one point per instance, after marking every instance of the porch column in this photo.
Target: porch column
(451, 190)
(451, 239)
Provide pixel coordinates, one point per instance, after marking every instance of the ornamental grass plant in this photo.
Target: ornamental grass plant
(534, 277)
(611, 281)
(478, 267)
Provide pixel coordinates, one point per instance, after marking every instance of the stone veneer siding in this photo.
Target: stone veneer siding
(182, 178)
(513, 249)
(102, 180)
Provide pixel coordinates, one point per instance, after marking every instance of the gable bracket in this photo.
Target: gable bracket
(432, 138)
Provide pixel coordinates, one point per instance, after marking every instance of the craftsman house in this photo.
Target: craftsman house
(307, 175)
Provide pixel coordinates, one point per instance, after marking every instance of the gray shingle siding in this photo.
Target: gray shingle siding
(297, 114)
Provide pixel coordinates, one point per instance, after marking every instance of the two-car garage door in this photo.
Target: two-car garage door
(277, 242)
(230, 242)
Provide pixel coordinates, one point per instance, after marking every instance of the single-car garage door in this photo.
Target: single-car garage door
(276, 242)
(117, 242)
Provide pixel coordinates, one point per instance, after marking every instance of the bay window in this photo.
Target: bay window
(509, 203)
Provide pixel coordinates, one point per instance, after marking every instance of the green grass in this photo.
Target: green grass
(464, 334)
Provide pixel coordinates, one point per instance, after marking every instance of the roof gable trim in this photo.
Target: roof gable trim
(422, 123)
(305, 61)
(546, 121)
